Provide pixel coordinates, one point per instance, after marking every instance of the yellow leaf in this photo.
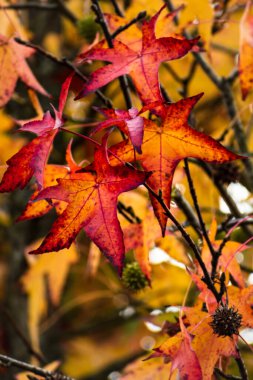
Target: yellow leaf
(53, 266)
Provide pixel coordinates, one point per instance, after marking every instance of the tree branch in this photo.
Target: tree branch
(64, 62)
(217, 371)
(59, 6)
(187, 210)
(66, 12)
(196, 205)
(207, 279)
(7, 361)
(101, 21)
(121, 29)
(23, 338)
(31, 5)
(241, 366)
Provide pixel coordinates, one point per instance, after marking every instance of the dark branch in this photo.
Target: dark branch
(66, 12)
(59, 6)
(187, 210)
(121, 29)
(101, 21)
(217, 371)
(31, 5)
(23, 338)
(188, 239)
(196, 205)
(7, 361)
(64, 62)
(117, 9)
(241, 366)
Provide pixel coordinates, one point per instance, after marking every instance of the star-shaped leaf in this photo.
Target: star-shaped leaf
(165, 145)
(202, 346)
(51, 174)
(14, 66)
(92, 205)
(141, 65)
(32, 158)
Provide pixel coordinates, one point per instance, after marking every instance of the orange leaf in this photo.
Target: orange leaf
(246, 50)
(13, 66)
(179, 350)
(165, 145)
(92, 205)
(142, 65)
(32, 158)
(208, 346)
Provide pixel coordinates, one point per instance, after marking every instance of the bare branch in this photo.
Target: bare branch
(7, 361)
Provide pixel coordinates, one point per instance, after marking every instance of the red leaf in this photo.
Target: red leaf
(40, 208)
(32, 158)
(128, 122)
(92, 205)
(141, 65)
(165, 145)
(180, 352)
(13, 66)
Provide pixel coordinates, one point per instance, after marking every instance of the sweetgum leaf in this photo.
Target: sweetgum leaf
(179, 350)
(92, 205)
(13, 66)
(32, 158)
(165, 145)
(142, 65)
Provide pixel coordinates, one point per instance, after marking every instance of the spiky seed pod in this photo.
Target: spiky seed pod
(227, 172)
(226, 321)
(133, 278)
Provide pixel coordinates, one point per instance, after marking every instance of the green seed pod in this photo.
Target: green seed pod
(133, 278)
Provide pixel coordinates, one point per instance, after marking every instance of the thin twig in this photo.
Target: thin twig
(233, 76)
(64, 62)
(197, 208)
(128, 213)
(185, 206)
(23, 338)
(66, 12)
(223, 192)
(241, 366)
(31, 5)
(225, 49)
(246, 269)
(59, 6)
(117, 9)
(188, 239)
(217, 371)
(101, 21)
(121, 29)
(7, 361)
